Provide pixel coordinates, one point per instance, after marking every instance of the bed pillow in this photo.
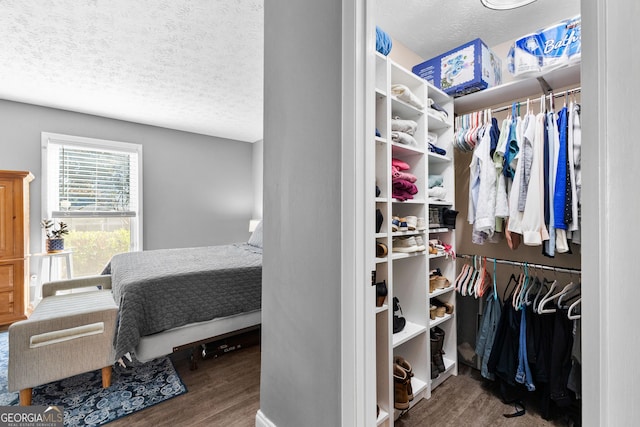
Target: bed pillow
(256, 236)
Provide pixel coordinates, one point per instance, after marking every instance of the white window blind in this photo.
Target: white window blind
(92, 180)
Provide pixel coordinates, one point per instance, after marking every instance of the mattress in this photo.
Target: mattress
(163, 289)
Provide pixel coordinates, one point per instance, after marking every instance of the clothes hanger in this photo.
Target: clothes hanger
(495, 287)
(513, 279)
(569, 292)
(541, 309)
(547, 300)
(571, 310)
(537, 300)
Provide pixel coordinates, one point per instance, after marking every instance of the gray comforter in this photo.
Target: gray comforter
(162, 289)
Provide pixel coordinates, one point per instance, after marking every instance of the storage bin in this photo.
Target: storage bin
(465, 69)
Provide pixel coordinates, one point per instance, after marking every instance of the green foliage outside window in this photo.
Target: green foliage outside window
(92, 250)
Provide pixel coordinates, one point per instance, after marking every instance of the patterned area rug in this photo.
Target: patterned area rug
(84, 400)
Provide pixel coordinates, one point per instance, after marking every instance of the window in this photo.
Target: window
(94, 186)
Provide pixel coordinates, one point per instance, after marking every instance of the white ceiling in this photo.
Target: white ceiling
(192, 65)
(197, 65)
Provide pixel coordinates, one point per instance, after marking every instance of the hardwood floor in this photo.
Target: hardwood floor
(221, 392)
(226, 392)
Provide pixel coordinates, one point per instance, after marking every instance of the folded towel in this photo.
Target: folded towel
(403, 138)
(432, 137)
(400, 164)
(404, 93)
(438, 193)
(383, 41)
(402, 195)
(404, 185)
(435, 106)
(406, 126)
(435, 181)
(396, 173)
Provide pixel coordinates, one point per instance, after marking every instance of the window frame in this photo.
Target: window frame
(136, 243)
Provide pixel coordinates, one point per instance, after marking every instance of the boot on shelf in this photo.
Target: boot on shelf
(437, 343)
(443, 307)
(406, 366)
(401, 397)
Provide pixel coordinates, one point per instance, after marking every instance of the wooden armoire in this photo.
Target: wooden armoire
(14, 245)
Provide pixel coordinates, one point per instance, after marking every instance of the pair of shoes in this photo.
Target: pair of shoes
(401, 382)
(399, 224)
(407, 244)
(437, 343)
(437, 280)
(412, 222)
(421, 224)
(449, 218)
(420, 244)
(442, 307)
(403, 390)
(381, 293)
(379, 220)
(381, 250)
(399, 322)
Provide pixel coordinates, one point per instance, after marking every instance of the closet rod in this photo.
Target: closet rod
(555, 95)
(522, 263)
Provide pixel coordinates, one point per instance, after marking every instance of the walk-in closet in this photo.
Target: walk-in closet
(478, 237)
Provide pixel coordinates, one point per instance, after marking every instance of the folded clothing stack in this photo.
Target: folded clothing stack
(402, 182)
(402, 131)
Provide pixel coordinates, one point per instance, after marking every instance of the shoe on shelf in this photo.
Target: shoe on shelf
(381, 250)
(445, 307)
(421, 224)
(432, 312)
(395, 223)
(381, 293)
(400, 394)
(442, 282)
(399, 322)
(406, 366)
(377, 191)
(403, 225)
(437, 343)
(420, 244)
(405, 244)
(379, 220)
(412, 222)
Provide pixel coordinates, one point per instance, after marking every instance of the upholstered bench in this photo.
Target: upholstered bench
(67, 334)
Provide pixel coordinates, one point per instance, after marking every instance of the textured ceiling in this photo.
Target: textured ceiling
(189, 65)
(432, 27)
(197, 65)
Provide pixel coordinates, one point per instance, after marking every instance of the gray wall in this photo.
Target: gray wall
(198, 190)
(301, 300)
(258, 181)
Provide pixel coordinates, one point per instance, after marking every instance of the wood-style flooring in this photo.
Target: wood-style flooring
(226, 392)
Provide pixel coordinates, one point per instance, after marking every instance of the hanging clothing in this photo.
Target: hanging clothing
(485, 215)
(488, 327)
(534, 230)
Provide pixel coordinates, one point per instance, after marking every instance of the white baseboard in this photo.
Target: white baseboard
(262, 420)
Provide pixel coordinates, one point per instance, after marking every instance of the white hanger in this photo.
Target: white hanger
(569, 291)
(572, 308)
(548, 299)
(543, 301)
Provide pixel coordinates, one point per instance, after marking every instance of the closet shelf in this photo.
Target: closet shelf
(405, 149)
(403, 110)
(402, 255)
(438, 255)
(440, 203)
(381, 260)
(381, 309)
(437, 158)
(441, 291)
(440, 320)
(406, 233)
(381, 140)
(439, 230)
(410, 201)
(436, 124)
(382, 417)
(381, 200)
(380, 94)
(410, 331)
(521, 88)
(380, 235)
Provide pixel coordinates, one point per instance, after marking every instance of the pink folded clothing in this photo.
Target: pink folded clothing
(396, 173)
(399, 184)
(401, 195)
(400, 164)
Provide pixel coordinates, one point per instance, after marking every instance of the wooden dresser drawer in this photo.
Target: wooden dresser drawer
(6, 303)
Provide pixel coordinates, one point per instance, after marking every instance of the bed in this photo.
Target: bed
(171, 298)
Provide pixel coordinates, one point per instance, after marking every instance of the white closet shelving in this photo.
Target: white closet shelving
(407, 274)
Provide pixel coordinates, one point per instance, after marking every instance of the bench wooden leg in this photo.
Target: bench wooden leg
(25, 397)
(106, 376)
